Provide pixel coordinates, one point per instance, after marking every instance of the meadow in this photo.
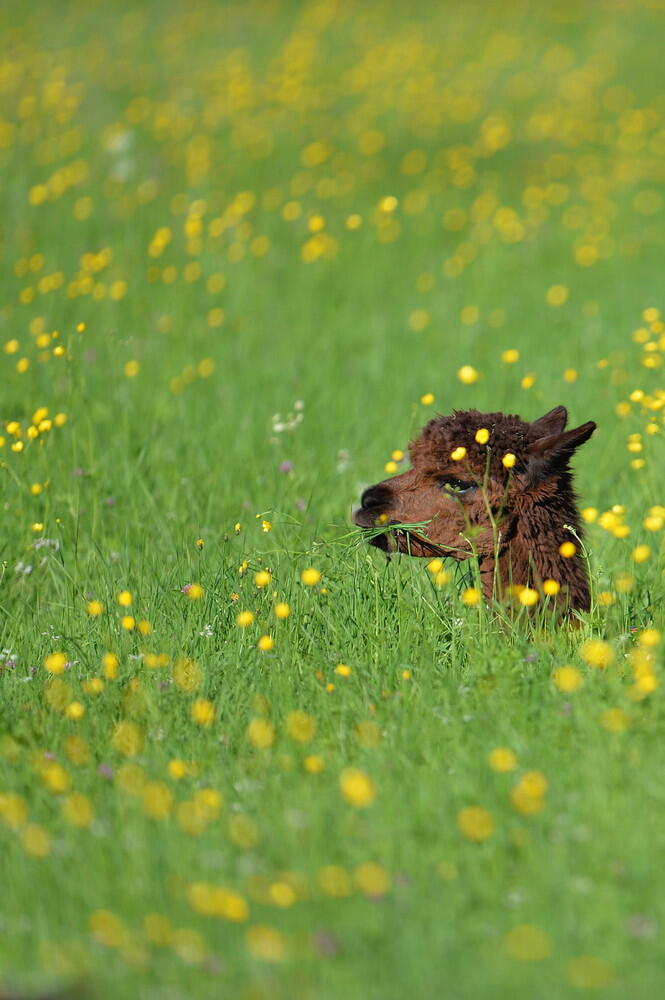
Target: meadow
(248, 250)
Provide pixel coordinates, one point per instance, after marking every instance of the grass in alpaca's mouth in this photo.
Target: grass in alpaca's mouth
(381, 536)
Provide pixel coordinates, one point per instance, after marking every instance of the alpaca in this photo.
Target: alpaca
(493, 487)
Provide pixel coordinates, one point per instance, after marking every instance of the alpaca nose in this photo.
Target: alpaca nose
(375, 496)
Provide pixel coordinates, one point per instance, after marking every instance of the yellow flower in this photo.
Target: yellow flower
(310, 577)
(94, 608)
(266, 943)
(36, 840)
(510, 356)
(130, 778)
(357, 788)
(77, 749)
(567, 550)
(527, 797)
(458, 454)
(502, 759)
(124, 598)
(427, 399)
(261, 733)
(13, 810)
(471, 596)
(644, 686)
(203, 712)
(588, 972)
(110, 666)
(372, 879)
(57, 694)
(55, 777)
(534, 783)
(469, 315)
(262, 578)
(266, 643)
(144, 627)
(108, 929)
(266, 526)
(243, 832)
(334, 881)
(528, 943)
(551, 588)
(343, 670)
(282, 610)
(128, 622)
(625, 583)
(391, 468)
(641, 553)
(509, 460)
(313, 763)
(75, 710)
(482, 435)
(128, 739)
(78, 810)
(54, 663)
(177, 769)
(567, 679)
(649, 637)
(300, 726)
(187, 674)
(157, 799)
(217, 901)
(244, 618)
(435, 566)
(194, 591)
(368, 734)
(556, 295)
(597, 653)
(467, 375)
(614, 720)
(93, 685)
(199, 543)
(528, 597)
(475, 823)
(132, 369)
(589, 514)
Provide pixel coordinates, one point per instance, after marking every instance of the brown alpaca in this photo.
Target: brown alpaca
(512, 518)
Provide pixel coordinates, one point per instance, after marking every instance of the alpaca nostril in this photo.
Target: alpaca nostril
(375, 496)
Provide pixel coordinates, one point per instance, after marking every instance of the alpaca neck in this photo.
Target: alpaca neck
(531, 554)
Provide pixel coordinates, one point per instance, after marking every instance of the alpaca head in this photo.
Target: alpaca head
(474, 476)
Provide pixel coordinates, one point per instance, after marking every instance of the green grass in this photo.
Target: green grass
(246, 130)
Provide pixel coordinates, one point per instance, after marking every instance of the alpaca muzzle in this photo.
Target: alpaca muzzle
(374, 510)
(374, 516)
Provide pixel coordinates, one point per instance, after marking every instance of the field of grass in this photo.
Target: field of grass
(248, 250)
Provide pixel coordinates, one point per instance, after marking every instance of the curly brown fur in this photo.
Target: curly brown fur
(512, 519)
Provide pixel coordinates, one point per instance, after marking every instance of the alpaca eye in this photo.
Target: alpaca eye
(456, 487)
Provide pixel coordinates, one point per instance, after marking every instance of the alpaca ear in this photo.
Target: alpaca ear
(550, 423)
(554, 450)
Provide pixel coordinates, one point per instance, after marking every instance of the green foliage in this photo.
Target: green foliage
(248, 250)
